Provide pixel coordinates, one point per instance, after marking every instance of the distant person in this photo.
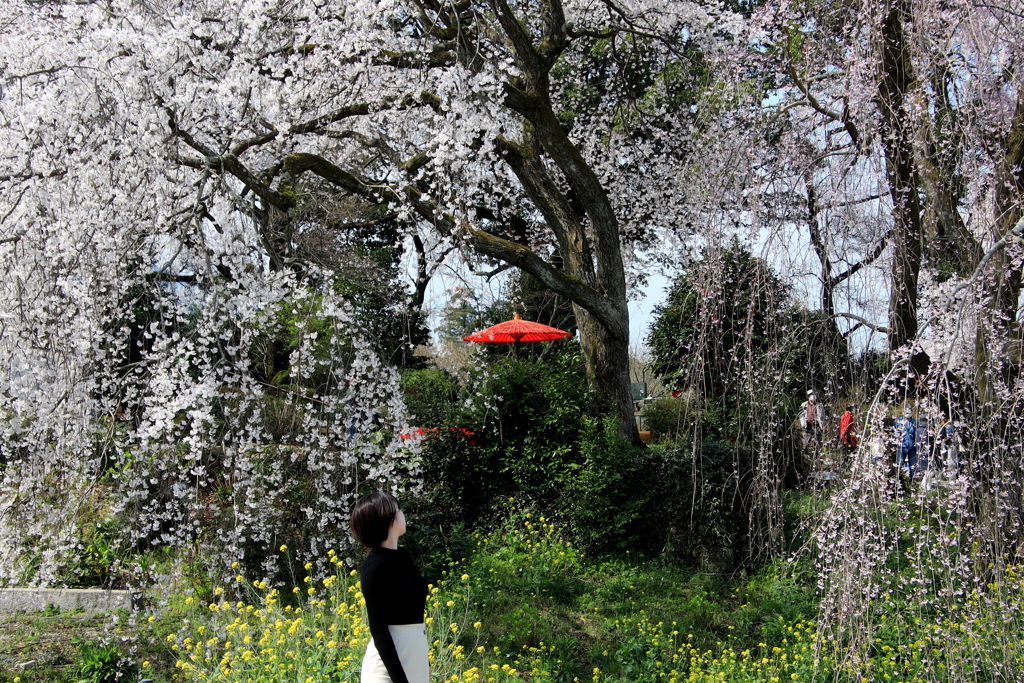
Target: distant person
(395, 593)
(948, 444)
(945, 451)
(811, 420)
(923, 443)
(906, 452)
(848, 430)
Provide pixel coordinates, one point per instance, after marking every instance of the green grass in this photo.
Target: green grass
(544, 602)
(52, 646)
(44, 646)
(527, 606)
(523, 605)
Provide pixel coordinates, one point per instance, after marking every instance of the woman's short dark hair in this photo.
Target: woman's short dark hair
(372, 516)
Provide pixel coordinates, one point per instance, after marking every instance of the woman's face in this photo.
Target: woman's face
(398, 525)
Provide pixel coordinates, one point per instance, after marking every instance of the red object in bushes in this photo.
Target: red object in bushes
(423, 432)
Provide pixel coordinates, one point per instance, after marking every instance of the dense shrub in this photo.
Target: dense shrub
(513, 431)
(664, 416)
(530, 429)
(696, 497)
(431, 397)
(606, 496)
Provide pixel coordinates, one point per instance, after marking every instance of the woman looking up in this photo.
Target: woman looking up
(395, 593)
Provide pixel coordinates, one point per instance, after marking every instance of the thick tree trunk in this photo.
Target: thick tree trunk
(595, 279)
(607, 359)
(948, 243)
(998, 347)
(901, 170)
(603, 325)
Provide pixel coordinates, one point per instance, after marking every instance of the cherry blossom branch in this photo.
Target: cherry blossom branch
(631, 27)
(550, 201)
(855, 202)
(38, 72)
(484, 242)
(408, 101)
(56, 173)
(1012, 235)
(160, 276)
(998, 8)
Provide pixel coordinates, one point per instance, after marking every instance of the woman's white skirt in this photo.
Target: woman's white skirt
(411, 643)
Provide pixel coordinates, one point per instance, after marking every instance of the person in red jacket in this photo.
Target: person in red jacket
(848, 430)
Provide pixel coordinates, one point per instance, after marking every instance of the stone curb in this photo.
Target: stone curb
(67, 599)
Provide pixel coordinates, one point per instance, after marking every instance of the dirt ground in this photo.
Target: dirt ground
(44, 647)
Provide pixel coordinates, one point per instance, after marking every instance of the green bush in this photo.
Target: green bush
(696, 512)
(103, 664)
(513, 432)
(530, 429)
(91, 565)
(431, 396)
(606, 497)
(663, 416)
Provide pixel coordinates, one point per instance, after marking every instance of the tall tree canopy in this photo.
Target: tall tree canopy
(890, 130)
(195, 128)
(182, 158)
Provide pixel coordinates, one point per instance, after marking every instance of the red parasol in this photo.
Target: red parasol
(517, 330)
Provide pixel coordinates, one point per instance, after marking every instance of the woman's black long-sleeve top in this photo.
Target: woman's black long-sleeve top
(395, 594)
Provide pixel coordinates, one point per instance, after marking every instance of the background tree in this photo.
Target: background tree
(716, 314)
(725, 314)
(742, 355)
(875, 113)
(212, 156)
(511, 65)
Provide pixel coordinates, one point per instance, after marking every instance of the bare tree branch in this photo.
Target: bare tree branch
(842, 117)
(491, 273)
(863, 321)
(866, 261)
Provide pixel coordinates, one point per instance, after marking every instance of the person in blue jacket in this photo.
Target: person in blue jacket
(906, 453)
